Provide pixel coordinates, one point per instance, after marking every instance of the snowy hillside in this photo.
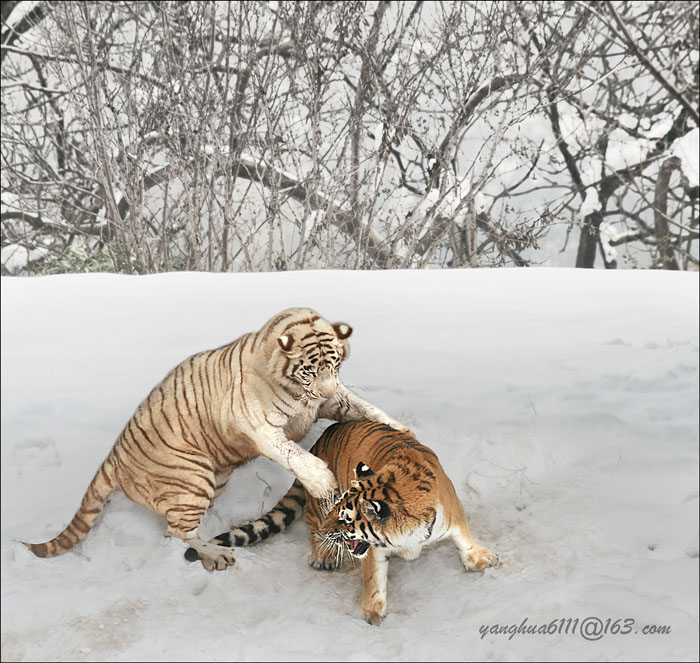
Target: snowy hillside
(563, 404)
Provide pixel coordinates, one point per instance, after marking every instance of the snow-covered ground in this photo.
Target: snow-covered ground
(563, 404)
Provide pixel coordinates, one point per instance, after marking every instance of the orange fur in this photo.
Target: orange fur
(396, 498)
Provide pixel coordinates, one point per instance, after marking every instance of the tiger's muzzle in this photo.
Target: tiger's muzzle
(358, 548)
(326, 384)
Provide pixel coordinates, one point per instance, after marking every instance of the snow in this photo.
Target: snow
(378, 132)
(562, 403)
(422, 48)
(450, 202)
(625, 151)
(608, 233)
(687, 149)
(628, 120)
(479, 202)
(19, 13)
(14, 257)
(591, 203)
(659, 128)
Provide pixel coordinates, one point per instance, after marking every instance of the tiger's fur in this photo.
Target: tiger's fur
(218, 410)
(396, 498)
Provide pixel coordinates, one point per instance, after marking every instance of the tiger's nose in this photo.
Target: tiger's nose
(327, 384)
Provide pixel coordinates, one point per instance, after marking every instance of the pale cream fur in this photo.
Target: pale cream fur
(218, 410)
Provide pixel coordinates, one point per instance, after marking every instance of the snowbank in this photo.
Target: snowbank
(562, 403)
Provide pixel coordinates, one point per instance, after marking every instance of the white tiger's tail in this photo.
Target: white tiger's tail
(100, 488)
(277, 519)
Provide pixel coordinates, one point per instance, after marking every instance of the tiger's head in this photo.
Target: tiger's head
(310, 350)
(374, 511)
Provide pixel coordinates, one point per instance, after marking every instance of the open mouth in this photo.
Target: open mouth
(357, 548)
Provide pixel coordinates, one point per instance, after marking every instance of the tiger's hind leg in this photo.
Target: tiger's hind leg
(214, 557)
(473, 556)
(220, 481)
(183, 496)
(213, 554)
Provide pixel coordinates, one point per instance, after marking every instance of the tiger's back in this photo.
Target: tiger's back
(184, 428)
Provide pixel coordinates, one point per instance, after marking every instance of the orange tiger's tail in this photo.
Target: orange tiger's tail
(277, 519)
(100, 488)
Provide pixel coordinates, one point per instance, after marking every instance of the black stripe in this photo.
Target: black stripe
(289, 514)
(371, 529)
(272, 528)
(224, 539)
(162, 409)
(249, 532)
(299, 499)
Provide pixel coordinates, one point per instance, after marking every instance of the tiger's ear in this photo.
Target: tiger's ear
(342, 330)
(286, 342)
(362, 471)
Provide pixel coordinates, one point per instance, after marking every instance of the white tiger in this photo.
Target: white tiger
(218, 410)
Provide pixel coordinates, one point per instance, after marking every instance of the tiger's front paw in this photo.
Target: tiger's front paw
(478, 559)
(397, 426)
(322, 483)
(374, 612)
(323, 563)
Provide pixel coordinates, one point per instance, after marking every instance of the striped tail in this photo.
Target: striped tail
(277, 519)
(100, 488)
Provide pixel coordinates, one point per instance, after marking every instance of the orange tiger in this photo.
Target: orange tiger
(218, 410)
(396, 499)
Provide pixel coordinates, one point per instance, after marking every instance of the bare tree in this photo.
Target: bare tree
(142, 137)
(624, 78)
